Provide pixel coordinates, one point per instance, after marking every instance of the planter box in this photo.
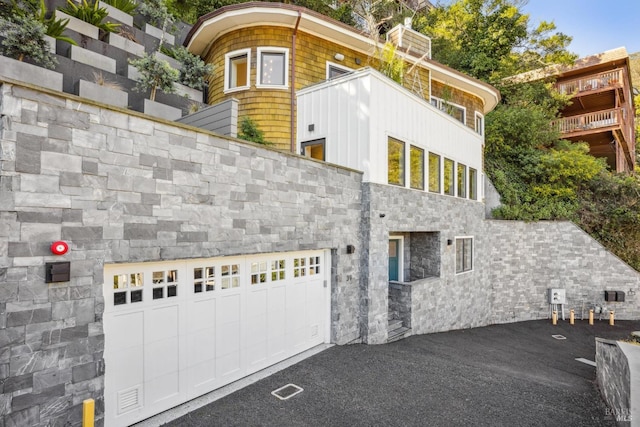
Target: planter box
(52, 43)
(94, 59)
(117, 15)
(174, 63)
(79, 26)
(162, 111)
(29, 73)
(133, 73)
(221, 118)
(187, 92)
(157, 33)
(104, 94)
(127, 45)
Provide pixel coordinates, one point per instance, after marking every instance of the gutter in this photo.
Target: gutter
(293, 81)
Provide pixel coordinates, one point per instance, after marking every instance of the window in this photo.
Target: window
(473, 184)
(416, 168)
(464, 254)
(258, 272)
(396, 161)
(462, 181)
(236, 70)
(278, 270)
(434, 173)
(456, 111)
(479, 123)
(273, 64)
(335, 70)
(313, 149)
(204, 279)
(449, 177)
(230, 276)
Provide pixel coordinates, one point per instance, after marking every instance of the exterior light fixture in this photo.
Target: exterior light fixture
(339, 57)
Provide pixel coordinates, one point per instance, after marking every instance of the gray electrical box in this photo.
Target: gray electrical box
(557, 296)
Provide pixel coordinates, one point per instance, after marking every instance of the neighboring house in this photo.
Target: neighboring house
(601, 112)
(197, 259)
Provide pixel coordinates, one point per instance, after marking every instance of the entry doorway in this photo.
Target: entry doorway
(395, 259)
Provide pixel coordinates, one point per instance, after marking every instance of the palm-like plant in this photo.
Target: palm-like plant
(92, 13)
(127, 6)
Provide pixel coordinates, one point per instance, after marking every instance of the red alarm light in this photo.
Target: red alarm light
(59, 247)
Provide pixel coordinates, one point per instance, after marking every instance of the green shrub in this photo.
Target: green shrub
(194, 70)
(249, 131)
(24, 38)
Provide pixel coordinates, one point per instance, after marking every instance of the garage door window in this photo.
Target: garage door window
(277, 270)
(204, 279)
(230, 276)
(258, 272)
(314, 265)
(126, 286)
(299, 267)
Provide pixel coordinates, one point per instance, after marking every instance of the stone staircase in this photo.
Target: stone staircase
(396, 329)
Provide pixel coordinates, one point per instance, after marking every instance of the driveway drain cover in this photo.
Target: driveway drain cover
(287, 391)
(559, 337)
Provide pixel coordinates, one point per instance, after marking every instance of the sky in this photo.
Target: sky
(595, 25)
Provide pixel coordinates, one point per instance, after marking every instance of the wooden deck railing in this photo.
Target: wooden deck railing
(593, 82)
(584, 122)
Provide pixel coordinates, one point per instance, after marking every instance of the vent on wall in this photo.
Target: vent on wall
(128, 400)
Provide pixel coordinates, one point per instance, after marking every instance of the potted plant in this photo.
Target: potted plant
(156, 74)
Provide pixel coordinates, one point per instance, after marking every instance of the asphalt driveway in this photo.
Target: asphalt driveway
(503, 375)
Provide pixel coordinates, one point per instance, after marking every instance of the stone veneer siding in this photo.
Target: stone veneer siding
(614, 378)
(119, 187)
(451, 301)
(528, 258)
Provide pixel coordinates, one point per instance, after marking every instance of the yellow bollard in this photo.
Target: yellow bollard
(612, 315)
(554, 318)
(591, 317)
(572, 317)
(88, 413)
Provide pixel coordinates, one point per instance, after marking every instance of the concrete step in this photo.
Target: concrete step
(394, 324)
(398, 334)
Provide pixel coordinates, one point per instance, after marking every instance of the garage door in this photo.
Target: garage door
(176, 330)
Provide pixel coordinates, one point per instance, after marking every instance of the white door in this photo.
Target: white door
(176, 330)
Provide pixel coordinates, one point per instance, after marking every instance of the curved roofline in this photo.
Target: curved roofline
(213, 25)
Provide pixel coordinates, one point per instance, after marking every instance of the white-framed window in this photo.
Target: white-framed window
(479, 123)
(462, 181)
(236, 70)
(395, 161)
(456, 111)
(464, 254)
(435, 177)
(473, 184)
(335, 70)
(273, 67)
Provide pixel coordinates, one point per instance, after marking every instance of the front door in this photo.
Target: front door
(394, 259)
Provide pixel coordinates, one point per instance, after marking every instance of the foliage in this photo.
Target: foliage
(127, 6)
(389, 64)
(37, 9)
(158, 14)
(491, 39)
(194, 70)
(610, 212)
(537, 174)
(92, 13)
(249, 131)
(155, 74)
(24, 38)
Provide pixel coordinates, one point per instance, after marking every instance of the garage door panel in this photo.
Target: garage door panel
(161, 358)
(164, 389)
(126, 330)
(162, 323)
(232, 316)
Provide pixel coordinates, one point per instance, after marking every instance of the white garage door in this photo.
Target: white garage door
(176, 330)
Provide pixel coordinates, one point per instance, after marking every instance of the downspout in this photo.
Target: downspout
(293, 81)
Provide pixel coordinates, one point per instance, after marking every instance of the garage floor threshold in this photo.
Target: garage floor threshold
(181, 410)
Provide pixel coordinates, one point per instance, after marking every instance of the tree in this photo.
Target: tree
(194, 70)
(155, 74)
(491, 39)
(249, 131)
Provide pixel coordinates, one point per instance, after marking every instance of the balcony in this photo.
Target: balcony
(596, 82)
